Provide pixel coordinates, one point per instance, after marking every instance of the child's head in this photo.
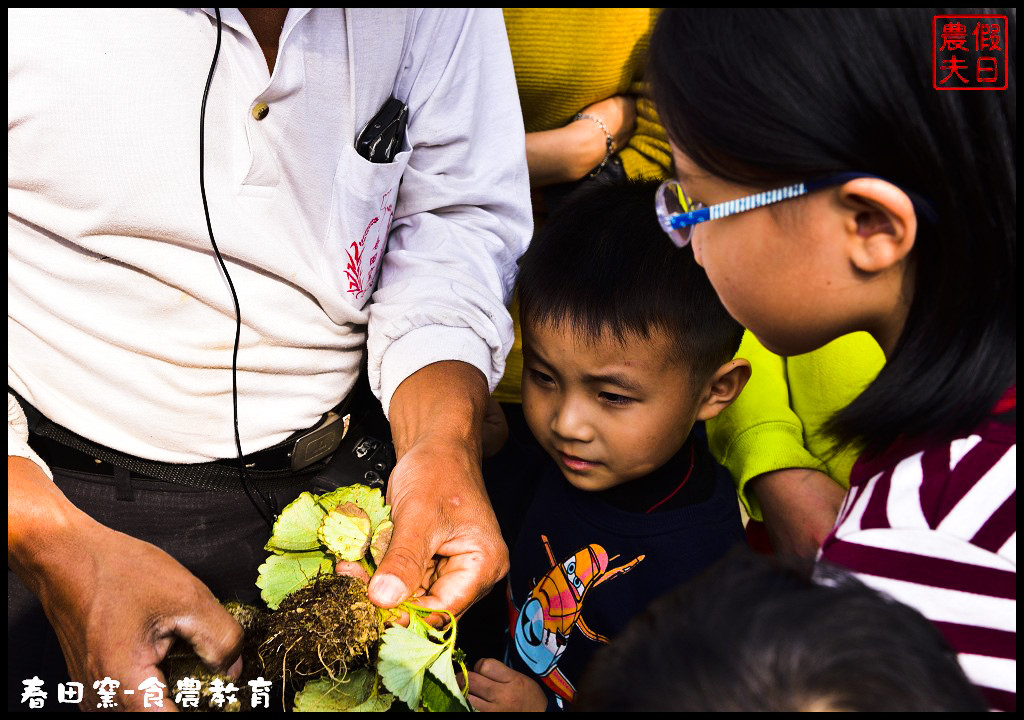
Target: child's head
(921, 253)
(753, 634)
(625, 344)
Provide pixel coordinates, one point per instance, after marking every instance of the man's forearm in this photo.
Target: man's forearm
(39, 518)
(443, 402)
(447, 542)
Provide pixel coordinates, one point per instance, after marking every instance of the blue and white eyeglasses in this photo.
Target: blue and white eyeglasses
(678, 214)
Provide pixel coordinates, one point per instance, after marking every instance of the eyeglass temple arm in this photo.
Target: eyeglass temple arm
(768, 197)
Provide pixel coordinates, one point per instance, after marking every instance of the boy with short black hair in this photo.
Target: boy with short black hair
(627, 350)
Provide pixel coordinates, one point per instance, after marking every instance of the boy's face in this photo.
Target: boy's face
(606, 412)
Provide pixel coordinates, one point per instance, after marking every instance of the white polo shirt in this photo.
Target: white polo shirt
(120, 322)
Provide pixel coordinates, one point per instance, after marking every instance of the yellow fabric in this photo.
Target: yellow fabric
(510, 389)
(566, 59)
(777, 420)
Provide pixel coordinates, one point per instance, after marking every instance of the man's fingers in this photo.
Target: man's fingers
(465, 579)
(387, 589)
(409, 556)
(214, 635)
(352, 569)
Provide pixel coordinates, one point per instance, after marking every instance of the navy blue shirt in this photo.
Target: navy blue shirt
(583, 564)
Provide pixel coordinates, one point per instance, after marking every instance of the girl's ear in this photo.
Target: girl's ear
(723, 387)
(881, 226)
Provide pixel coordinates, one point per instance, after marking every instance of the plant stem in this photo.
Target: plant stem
(425, 612)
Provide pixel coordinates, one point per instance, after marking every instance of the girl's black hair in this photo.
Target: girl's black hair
(769, 96)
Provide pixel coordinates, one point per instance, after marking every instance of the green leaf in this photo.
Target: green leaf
(282, 575)
(346, 532)
(295, 530)
(424, 629)
(369, 499)
(443, 671)
(403, 659)
(356, 693)
(437, 697)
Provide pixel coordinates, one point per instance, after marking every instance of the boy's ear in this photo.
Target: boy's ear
(723, 387)
(880, 225)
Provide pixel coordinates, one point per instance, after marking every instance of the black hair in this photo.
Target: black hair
(765, 97)
(757, 634)
(602, 263)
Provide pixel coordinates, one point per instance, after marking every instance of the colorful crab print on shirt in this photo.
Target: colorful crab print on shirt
(541, 628)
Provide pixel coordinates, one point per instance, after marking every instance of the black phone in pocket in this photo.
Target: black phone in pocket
(384, 135)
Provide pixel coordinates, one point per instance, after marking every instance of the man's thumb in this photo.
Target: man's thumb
(400, 571)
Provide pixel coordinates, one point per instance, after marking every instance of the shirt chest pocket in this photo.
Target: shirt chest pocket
(363, 205)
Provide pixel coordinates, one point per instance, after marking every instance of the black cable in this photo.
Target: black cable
(243, 475)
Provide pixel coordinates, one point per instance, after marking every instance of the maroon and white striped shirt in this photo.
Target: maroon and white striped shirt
(934, 525)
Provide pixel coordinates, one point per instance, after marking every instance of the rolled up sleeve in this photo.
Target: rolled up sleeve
(462, 217)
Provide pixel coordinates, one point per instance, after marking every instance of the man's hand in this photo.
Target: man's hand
(494, 687)
(446, 543)
(800, 507)
(116, 603)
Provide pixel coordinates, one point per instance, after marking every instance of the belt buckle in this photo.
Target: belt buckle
(319, 442)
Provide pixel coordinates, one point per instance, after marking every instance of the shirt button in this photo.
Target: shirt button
(260, 110)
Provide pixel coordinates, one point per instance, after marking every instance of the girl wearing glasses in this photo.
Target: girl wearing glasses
(827, 187)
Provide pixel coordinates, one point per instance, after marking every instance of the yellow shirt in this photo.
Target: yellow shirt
(568, 58)
(777, 421)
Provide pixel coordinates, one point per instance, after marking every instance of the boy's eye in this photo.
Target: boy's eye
(615, 398)
(541, 378)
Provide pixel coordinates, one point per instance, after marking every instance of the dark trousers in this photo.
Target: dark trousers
(219, 536)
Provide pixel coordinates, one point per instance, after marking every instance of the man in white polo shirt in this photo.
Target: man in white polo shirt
(121, 322)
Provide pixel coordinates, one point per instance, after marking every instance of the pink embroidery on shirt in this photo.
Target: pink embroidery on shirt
(357, 283)
(355, 260)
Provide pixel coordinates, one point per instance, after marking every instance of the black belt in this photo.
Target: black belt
(303, 452)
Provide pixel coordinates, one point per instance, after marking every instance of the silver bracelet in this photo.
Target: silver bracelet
(609, 148)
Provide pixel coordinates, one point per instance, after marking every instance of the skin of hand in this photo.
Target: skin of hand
(447, 543)
(495, 687)
(116, 603)
(568, 153)
(800, 507)
(619, 114)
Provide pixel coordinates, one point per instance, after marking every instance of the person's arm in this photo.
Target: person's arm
(446, 542)
(439, 329)
(799, 507)
(116, 603)
(570, 152)
(760, 433)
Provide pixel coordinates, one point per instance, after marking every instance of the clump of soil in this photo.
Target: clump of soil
(326, 628)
